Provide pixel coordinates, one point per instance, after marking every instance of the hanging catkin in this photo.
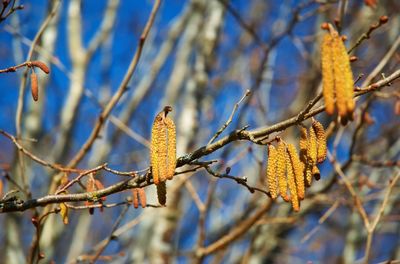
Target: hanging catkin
(163, 147)
(291, 182)
(321, 140)
(162, 193)
(328, 81)
(337, 77)
(281, 170)
(34, 86)
(311, 155)
(298, 169)
(271, 172)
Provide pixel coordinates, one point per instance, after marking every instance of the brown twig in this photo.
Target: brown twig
(382, 20)
(224, 126)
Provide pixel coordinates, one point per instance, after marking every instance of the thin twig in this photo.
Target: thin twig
(247, 93)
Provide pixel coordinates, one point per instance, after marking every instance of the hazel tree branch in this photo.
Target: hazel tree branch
(142, 180)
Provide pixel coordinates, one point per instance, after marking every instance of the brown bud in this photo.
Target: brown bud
(383, 19)
(353, 58)
(325, 26)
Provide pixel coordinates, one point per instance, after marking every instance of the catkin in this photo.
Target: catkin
(328, 80)
(315, 172)
(292, 182)
(163, 147)
(321, 140)
(162, 193)
(312, 147)
(281, 170)
(303, 141)
(171, 151)
(142, 197)
(34, 86)
(135, 197)
(298, 169)
(41, 65)
(271, 172)
(64, 213)
(343, 78)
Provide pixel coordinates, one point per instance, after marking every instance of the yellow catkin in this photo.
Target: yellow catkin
(311, 155)
(162, 193)
(64, 213)
(328, 80)
(292, 182)
(312, 147)
(303, 141)
(308, 174)
(298, 169)
(163, 147)
(34, 86)
(321, 140)
(281, 170)
(271, 172)
(343, 79)
(171, 151)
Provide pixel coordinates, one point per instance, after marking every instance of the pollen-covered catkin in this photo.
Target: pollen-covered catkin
(162, 193)
(312, 147)
(171, 148)
(321, 140)
(303, 141)
(343, 79)
(271, 172)
(163, 147)
(158, 149)
(292, 182)
(298, 169)
(281, 170)
(34, 86)
(328, 80)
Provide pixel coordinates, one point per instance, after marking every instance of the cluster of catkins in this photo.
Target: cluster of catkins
(287, 169)
(163, 152)
(337, 77)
